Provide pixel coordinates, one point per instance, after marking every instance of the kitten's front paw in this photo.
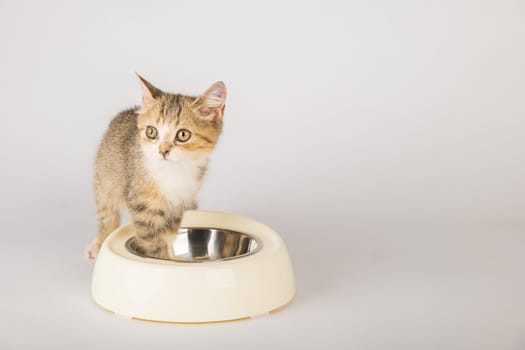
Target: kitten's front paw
(92, 251)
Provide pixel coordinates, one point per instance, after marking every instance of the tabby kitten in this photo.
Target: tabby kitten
(152, 160)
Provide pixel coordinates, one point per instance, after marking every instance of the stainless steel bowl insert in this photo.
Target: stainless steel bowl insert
(207, 244)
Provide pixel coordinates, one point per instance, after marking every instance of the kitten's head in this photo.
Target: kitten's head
(180, 128)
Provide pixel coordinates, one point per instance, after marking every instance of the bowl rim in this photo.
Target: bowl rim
(257, 249)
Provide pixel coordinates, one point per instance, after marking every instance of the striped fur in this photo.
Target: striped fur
(155, 179)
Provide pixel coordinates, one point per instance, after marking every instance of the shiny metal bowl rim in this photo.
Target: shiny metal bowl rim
(256, 250)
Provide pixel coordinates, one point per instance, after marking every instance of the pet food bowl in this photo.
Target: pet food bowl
(224, 267)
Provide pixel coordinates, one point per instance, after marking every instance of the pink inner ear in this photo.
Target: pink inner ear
(211, 102)
(205, 110)
(220, 113)
(215, 96)
(211, 113)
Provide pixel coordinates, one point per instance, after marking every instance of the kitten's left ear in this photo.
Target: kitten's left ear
(210, 105)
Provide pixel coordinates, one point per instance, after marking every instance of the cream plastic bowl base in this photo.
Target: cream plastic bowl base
(195, 292)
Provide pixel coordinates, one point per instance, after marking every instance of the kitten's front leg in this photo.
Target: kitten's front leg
(153, 227)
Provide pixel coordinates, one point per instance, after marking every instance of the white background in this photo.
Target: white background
(384, 140)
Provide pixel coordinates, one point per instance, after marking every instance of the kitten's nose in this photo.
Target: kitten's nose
(164, 153)
(164, 149)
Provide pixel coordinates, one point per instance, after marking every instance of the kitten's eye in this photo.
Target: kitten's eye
(183, 135)
(151, 132)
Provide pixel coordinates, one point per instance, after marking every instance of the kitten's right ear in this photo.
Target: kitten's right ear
(149, 92)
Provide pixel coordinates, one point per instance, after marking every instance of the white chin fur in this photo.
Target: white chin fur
(177, 176)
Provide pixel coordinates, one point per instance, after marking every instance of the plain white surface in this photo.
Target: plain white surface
(383, 140)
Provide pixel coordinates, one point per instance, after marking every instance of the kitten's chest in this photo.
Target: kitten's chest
(177, 183)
